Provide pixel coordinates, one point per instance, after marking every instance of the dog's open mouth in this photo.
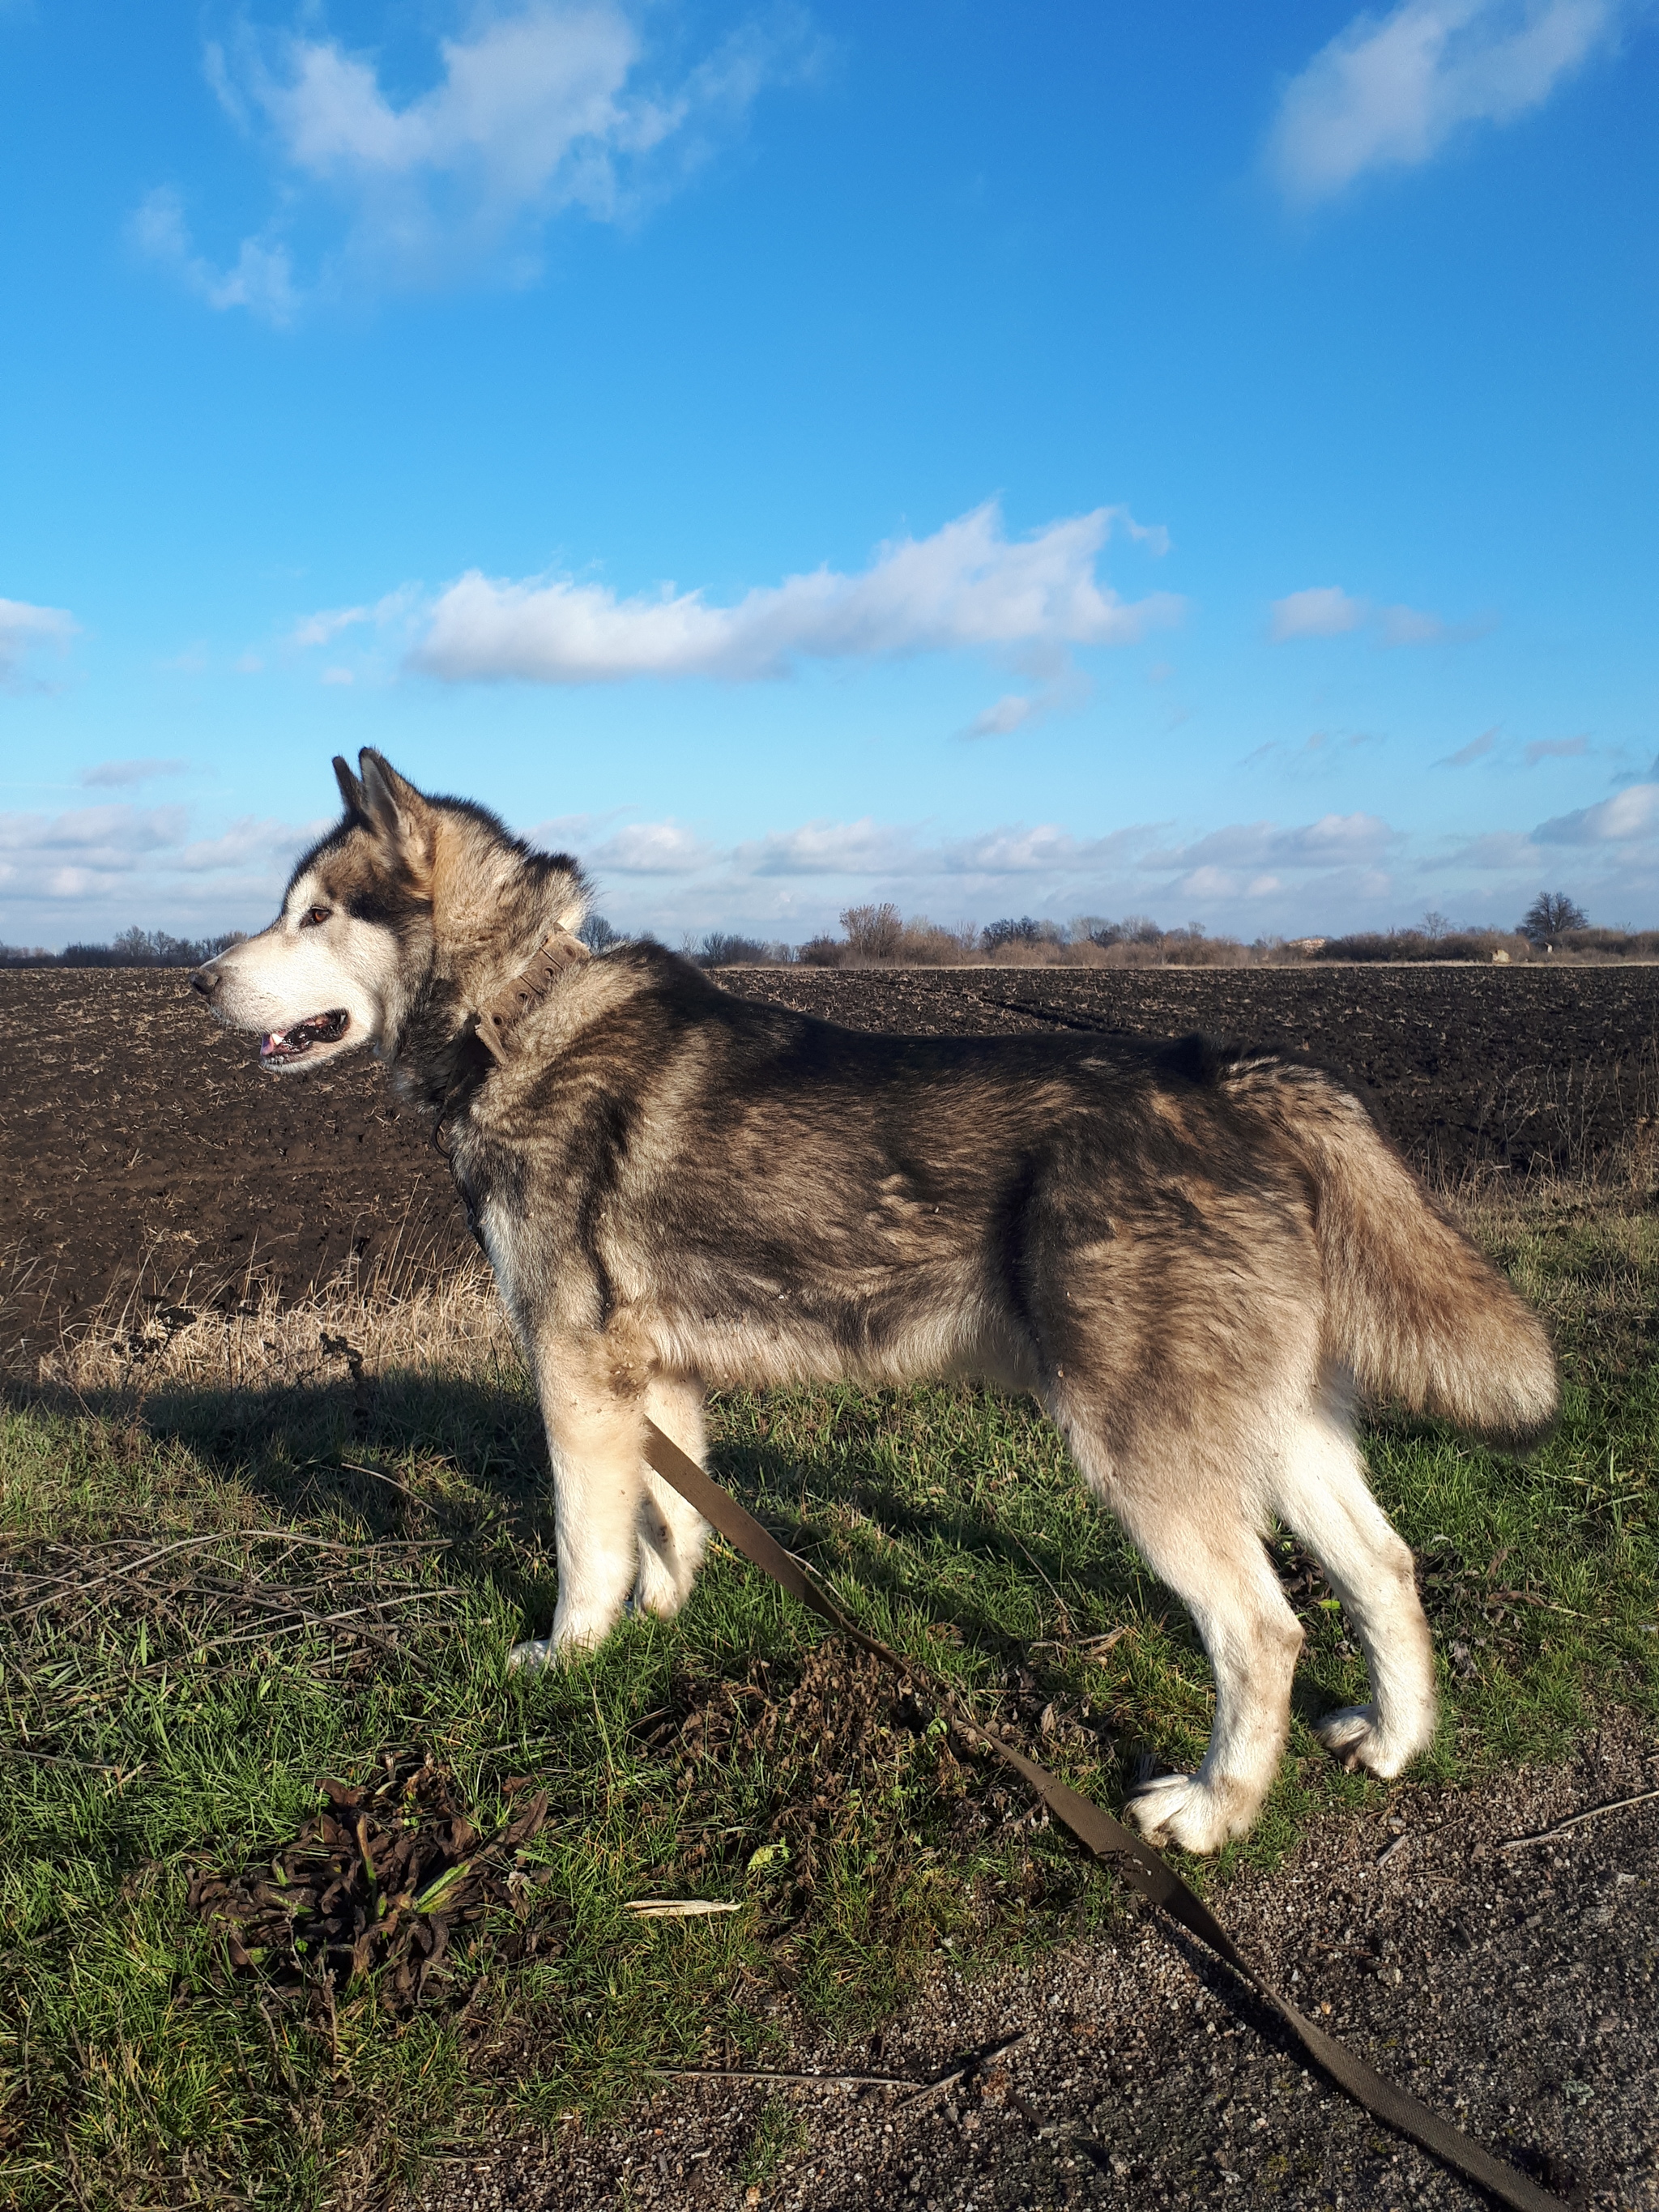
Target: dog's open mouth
(277, 1047)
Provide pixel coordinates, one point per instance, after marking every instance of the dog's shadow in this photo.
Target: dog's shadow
(408, 1457)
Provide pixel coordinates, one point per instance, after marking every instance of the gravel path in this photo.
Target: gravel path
(1513, 1988)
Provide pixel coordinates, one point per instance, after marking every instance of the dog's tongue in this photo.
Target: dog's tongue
(275, 1043)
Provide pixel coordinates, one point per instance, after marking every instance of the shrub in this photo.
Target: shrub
(722, 948)
(149, 948)
(1415, 945)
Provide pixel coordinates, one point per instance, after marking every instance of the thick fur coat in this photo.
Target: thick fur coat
(1196, 1259)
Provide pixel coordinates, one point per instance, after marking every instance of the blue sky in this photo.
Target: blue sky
(1046, 460)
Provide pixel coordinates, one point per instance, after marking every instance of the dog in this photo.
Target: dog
(1199, 1261)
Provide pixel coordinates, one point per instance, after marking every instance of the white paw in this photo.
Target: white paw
(1354, 1735)
(657, 1590)
(1179, 1808)
(571, 1640)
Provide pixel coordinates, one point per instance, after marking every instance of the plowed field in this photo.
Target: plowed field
(145, 1153)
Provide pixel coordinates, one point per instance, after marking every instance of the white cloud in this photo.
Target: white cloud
(866, 848)
(112, 774)
(1335, 840)
(1631, 813)
(1499, 849)
(1046, 850)
(1327, 610)
(115, 836)
(1012, 712)
(322, 628)
(652, 848)
(260, 279)
(1390, 93)
(967, 584)
(23, 628)
(251, 843)
(1477, 748)
(93, 870)
(1411, 626)
(1323, 610)
(530, 110)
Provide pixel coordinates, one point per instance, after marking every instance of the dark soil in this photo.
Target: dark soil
(146, 1153)
(1516, 1989)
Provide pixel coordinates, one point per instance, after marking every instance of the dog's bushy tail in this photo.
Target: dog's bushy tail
(1412, 1308)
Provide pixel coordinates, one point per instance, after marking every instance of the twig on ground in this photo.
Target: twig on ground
(970, 2065)
(1065, 1616)
(1095, 1647)
(678, 1908)
(1591, 1813)
(813, 2081)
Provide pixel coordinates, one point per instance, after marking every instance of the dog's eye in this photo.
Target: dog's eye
(315, 916)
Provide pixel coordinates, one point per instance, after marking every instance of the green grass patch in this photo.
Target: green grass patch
(213, 1596)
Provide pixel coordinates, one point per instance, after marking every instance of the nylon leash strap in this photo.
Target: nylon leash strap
(1107, 1838)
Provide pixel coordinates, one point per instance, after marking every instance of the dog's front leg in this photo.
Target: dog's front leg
(595, 1411)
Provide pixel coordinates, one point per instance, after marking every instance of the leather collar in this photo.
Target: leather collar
(500, 1016)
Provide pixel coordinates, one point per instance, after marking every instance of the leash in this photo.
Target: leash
(1107, 1838)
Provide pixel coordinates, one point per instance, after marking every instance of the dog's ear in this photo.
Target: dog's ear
(350, 790)
(397, 813)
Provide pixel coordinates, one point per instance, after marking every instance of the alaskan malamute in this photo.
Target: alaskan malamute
(1196, 1259)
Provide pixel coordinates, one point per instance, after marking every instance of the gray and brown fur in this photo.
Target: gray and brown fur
(1196, 1260)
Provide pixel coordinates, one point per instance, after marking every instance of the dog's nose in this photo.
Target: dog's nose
(204, 980)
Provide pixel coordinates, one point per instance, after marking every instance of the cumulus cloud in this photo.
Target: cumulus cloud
(1389, 93)
(864, 847)
(1630, 814)
(529, 111)
(251, 842)
(93, 869)
(1502, 850)
(1046, 850)
(23, 628)
(967, 584)
(652, 848)
(1335, 840)
(113, 775)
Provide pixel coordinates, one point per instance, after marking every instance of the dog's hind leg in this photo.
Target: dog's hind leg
(1321, 1493)
(673, 1535)
(1192, 1523)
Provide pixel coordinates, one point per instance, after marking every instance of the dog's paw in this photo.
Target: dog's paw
(530, 1658)
(1179, 1808)
(657, 1590)
(1355, 1736)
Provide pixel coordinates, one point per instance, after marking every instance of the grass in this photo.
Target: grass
(206, 1518)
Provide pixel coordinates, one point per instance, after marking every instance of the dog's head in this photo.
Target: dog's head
(405, 885)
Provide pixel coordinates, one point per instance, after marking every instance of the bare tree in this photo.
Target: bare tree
(1549, 914)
